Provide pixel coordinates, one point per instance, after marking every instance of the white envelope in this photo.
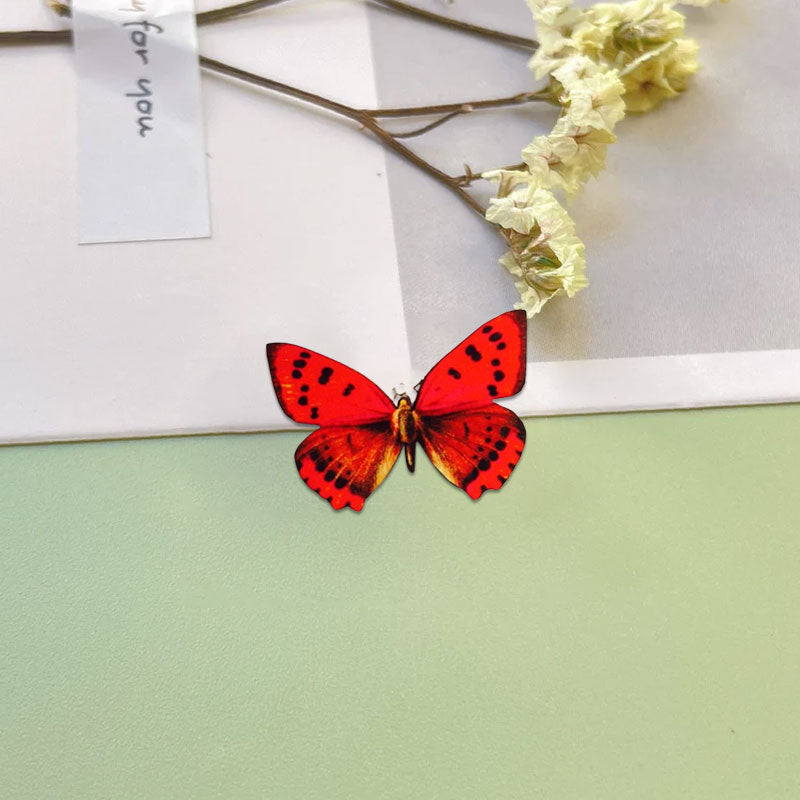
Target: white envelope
(321, 238)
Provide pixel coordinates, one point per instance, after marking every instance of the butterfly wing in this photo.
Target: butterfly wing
(355, 448)
(475, 449)
(489, 363)
(472, 441)
(345, 464)
(317, 390)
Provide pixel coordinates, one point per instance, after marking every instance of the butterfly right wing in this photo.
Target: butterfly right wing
(316, 390)
(490, 363)
(477, 448)
(344, 464)
(355, 448)
(471, 440)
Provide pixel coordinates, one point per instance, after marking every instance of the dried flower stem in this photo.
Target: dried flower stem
(8, 38)
(236, 10)
(543, 95)
(367, 118)
(431, 125)
(203, 18)
(470, 176)
(357, 115)
(249, 6)
(476, 30)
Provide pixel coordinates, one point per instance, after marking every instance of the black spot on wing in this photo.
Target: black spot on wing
(496, 336)
(492, 389)
(359, 490)
(499, 375)
(297, 374)
(325, 375)
(302, 400)
(348, 390)
(473, 353)
(314, 412)
(455, 373)
(471, 476)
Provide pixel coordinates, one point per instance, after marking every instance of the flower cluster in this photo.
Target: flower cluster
(546, 257)
(642, 40)
(601, 61)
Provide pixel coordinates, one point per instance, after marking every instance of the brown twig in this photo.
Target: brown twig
(35, 37)
(236, 10)
(469, 177)
(357, 115)
(543, 95)
(203, 18)
(431, 125)
(249, 6)
(476, 30)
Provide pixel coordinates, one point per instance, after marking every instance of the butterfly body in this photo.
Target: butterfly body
(404, 426)
(471, 440)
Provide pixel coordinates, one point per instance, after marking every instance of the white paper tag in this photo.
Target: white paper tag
(141, 153)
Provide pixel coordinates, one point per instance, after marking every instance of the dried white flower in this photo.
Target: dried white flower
(568, 156)
(594, 95)
(546, 257)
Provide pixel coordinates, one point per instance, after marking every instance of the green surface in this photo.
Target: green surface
(184, 619)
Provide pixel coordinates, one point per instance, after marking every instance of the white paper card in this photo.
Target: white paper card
(141, 153)
(143, 338)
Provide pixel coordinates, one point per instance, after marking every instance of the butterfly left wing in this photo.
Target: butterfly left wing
(345, 464)
(355, 447)
(475, 449)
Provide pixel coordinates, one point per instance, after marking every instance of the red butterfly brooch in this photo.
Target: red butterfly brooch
(471, 440)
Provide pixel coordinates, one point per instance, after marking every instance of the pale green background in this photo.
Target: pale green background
(184, 619)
